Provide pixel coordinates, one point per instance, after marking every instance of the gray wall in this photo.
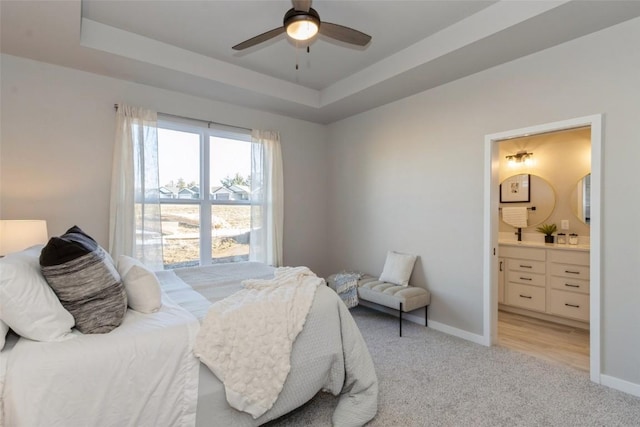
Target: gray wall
(57, 134)
(408, 176)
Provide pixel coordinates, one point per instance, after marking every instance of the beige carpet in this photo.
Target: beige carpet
(428, 378)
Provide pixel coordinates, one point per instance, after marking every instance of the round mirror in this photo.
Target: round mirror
(580, 199)
(530, 191)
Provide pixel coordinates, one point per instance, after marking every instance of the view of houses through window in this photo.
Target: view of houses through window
(205, 183)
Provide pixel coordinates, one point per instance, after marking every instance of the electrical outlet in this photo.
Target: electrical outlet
(564, 224)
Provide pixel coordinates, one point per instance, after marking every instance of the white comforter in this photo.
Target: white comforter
(143, 373)
(328, 355)
(246, 339)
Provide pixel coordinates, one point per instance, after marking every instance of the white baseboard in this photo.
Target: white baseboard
(441, 327)
(606, 380)
(465, 335)
(621, 385)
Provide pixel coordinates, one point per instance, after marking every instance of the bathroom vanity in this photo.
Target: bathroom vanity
(547, 281)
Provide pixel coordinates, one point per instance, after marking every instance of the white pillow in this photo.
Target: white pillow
(27, 303)
(141, 284)
(398, 268)
(4, 328)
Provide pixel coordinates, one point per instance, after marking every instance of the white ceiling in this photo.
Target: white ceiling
(213, 27)
(186, 45)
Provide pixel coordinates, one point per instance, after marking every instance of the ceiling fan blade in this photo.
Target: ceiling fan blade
(344, 34)
(259, 39)
(302, 5)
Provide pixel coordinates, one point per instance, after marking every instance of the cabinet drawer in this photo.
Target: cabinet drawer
(529, 297)
(523, 253)
(569, 257)
(526, 265)
(526, 278)
(569, 304)
(568, 270)
(570, 284)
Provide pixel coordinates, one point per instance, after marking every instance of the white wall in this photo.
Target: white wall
(408, 176)
(56, 149)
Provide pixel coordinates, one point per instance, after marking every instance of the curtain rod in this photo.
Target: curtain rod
(208, 122)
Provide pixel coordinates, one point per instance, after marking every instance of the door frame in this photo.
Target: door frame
(490, 278)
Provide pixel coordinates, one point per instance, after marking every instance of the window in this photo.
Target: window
(205, 184)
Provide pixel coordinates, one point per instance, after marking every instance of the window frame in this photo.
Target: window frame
(205, 203)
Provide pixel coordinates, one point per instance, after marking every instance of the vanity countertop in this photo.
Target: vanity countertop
(545, 245)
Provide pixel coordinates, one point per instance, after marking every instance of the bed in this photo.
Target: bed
(144, 372)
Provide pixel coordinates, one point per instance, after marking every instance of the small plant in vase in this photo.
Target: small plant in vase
(547, 230)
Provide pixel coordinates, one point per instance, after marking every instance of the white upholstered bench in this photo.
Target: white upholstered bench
(401, 298)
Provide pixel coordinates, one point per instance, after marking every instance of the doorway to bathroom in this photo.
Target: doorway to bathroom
(548, 293)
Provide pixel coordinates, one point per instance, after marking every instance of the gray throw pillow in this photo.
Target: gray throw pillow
(347, 287)
(84, 278)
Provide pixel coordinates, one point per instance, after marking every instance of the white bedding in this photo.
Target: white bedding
(246, 338)
(143, 373)
(328, 355)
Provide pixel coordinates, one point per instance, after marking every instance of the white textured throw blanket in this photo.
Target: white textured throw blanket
(246, 339)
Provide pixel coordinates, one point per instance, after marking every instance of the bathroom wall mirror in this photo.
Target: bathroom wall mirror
(580, 199)
(542, 196)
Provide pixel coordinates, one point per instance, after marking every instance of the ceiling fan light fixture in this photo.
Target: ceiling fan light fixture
(302, 30)
(302, 25)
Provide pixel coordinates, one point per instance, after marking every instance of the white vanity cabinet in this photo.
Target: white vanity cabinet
(525, 282)
(550, 282)
(569, 284)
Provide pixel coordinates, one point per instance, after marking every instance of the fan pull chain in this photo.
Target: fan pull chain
(297, 56)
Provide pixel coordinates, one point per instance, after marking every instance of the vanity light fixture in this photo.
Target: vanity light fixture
(521, 157)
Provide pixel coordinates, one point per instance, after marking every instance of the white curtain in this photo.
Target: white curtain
(135, 227)
(267, 206)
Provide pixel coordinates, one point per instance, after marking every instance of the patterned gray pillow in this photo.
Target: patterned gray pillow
(84, 278)
(347, 287)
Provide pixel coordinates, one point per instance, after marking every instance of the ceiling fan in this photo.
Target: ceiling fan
(302, 23)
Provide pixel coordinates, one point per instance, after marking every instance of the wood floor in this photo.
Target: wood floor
(546, 340)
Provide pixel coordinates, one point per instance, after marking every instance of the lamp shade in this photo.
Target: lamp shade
(16, 235)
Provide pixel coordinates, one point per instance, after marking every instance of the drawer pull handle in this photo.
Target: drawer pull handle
(572, 286)
(525, 266)
(571, 272)
(571, 305)
(525, 296)
(526, 278)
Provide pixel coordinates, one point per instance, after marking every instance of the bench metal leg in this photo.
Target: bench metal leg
(426, 307)
(400, 319)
